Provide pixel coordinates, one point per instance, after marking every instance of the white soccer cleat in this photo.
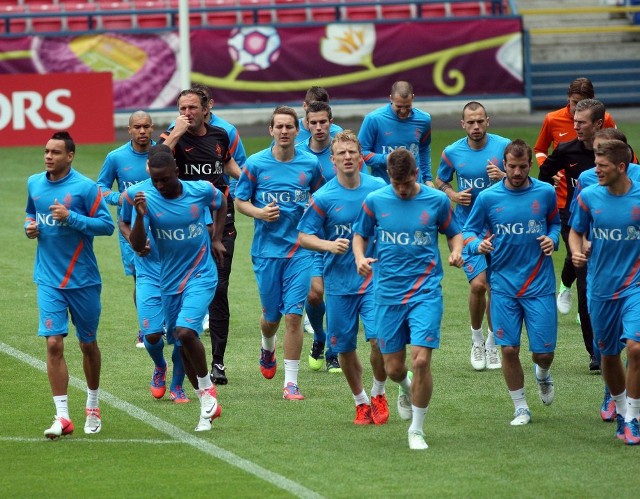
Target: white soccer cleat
(208, 403)
(204, 424)
(404, 406)
(205, 324)
(546, 389)
(563, 301)
(522, 417)
(93, 423)
(307, 325)
(478, 359)
(416, 440)
(60, 428)
(493, 358)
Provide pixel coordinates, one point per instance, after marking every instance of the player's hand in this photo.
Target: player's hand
(340, 246)
(464, 197)
(146, 250)
(546, 245)
(364, 266)
(586, 247)
(120, 198)
(486, 245)
(140, 203)
(494, 172)
(59, 211)
(32, 230)
(181, 125)
(578, 259)
(271, 212)
(219, 251)
(557, 178)
(455, 259)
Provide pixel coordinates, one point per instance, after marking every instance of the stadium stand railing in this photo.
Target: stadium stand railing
(58, 17)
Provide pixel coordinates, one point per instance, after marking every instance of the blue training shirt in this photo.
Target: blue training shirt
(589, 177)
(331, 215)
(613, 223)
(64, 257)
(406, 237)
(324, 156)
(382, 132)
(518, 218)
(264, 180)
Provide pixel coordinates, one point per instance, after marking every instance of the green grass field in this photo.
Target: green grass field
(263, 446)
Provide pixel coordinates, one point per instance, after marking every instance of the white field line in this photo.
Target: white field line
(174, 432)
(89, 440)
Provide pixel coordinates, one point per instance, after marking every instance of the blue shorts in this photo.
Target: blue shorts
(416, 323)
(56, 304)
(474, 265)
(539, 315)
(615, 320)
(317, 269)
(283, 284)
(126, 252)
(342, 320)
(188, 309)
(149, 305)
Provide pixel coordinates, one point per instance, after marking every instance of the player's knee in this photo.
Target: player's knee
(153, 338)
(510, 352)
(633, 350)
(544, 360)
(478, 287)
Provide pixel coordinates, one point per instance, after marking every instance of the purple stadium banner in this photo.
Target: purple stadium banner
(264, 64)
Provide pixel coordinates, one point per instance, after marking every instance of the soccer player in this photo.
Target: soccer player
(274, 190)
(204, 152)
(319, 119)
(397, 125)
(610, 211)
(149, 309)
(404, 219)
(477, 162)
(173, 211)
(558, 127)
(573, 158)
(326, 227)
(522, 216)
(65, 210)
(127, 165)
(314, 94)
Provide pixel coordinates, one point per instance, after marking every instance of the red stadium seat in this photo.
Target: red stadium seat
(109, 21)
(354, 12)
(262, 13)
(298, 15)
(399, 11)
(52, 23)
(218, 16)
(470, 9)
(324, 13)
(85, 22)
(427, 10)
(150, 20)
(13, 25)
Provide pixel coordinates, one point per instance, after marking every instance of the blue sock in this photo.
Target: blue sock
(178, 368)
(315, 313)
(155, 352)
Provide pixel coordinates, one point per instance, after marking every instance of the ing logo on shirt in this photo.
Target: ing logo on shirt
(518, 228)
(193, 231)
(606, 234)
(419, 238)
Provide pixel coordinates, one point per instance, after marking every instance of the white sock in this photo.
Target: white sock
(378, 387)
(204, 382)
(541, 373)
(417, 421)
(269, 344)
(491, 340)
(633, 409)
(361, 398)
(519, 399)
(405, 385)
(62, 406)
(92, 398)
(621, 403)
(291, 368)
(476, 336)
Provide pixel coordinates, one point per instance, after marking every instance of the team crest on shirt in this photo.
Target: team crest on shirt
(535, 207)
(68, 198)
(195, 211)
(635, 213)
(424, 217)
(417, 133)
(302, 178)
(218, 150)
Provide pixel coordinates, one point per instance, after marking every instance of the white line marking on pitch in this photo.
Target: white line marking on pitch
(174, 432)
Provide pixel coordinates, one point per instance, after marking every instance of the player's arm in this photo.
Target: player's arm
(463, 197)
(219, 219)
(545, 139)
(473, 231)
(424, 151)
(30, 226)
(367, 138)
(363, 264)
(456, 244)
(578, 254)
(97, 223)
(310, 241)
(138, 234)
(269, 213)
(171, 137)
(105, 181)
(232, 169)
(552, 165)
